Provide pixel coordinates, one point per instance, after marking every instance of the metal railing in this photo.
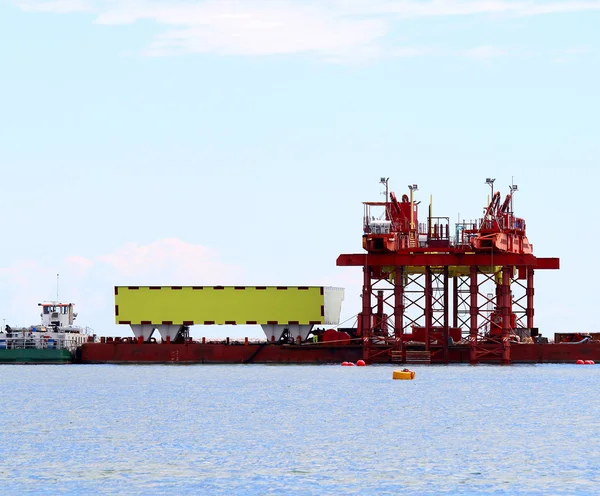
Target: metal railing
(40, 343)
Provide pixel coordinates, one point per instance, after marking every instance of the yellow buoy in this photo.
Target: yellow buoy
(404, 374)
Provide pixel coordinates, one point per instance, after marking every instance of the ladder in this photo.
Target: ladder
(418, 357)
(412, 241)
(396, 356)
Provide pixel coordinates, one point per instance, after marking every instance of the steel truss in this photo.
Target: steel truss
(399, 298)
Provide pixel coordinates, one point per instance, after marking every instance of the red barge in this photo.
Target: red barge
(429, 296)
(267, 353)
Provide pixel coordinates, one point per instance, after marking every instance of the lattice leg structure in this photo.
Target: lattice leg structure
(395, 302)
(382, 310)
(460, 302)
(414, 301)
(436, 310)
(522, 298)
(530, 292)
(484, 344)
(519, 302)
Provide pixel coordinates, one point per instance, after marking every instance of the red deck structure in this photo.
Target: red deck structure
(424, 290)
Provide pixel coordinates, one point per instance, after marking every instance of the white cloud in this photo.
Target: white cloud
(580, 50)
(274, 32)
(484, 52)
(169, 262)
(56, 6)
(80, 265)
(409, 52)
(335, 29)
(437, 8)
(570, 54)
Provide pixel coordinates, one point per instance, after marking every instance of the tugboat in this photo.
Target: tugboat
(55, 340)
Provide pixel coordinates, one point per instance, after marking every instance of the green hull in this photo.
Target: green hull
(47, 355)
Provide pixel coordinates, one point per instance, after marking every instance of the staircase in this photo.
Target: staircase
(396, 356)
(412, 357)
(418, 357)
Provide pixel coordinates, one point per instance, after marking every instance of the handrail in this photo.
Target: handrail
(40, 342)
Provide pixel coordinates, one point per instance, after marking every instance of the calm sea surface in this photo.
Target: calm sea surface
(256, 429)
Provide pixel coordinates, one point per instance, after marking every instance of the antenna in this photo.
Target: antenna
(513, 187)
(412, 188)
(384, 181)
(57, 279)
(490, 181)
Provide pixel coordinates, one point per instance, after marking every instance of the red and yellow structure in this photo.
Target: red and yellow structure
(423, 285)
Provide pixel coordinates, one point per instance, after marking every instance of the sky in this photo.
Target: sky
(218, 142)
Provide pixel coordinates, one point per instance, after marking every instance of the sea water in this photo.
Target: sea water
(259, 429)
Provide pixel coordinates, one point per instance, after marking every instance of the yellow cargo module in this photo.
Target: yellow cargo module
(207, 305)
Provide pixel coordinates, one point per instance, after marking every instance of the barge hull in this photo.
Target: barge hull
(530, 353)
(214, 353)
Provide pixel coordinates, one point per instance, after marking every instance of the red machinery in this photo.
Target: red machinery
(418, 281)
(499, 229)
(396, 231)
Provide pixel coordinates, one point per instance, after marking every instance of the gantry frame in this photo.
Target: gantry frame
(418, 294)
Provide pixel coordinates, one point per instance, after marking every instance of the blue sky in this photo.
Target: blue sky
(232, 142)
